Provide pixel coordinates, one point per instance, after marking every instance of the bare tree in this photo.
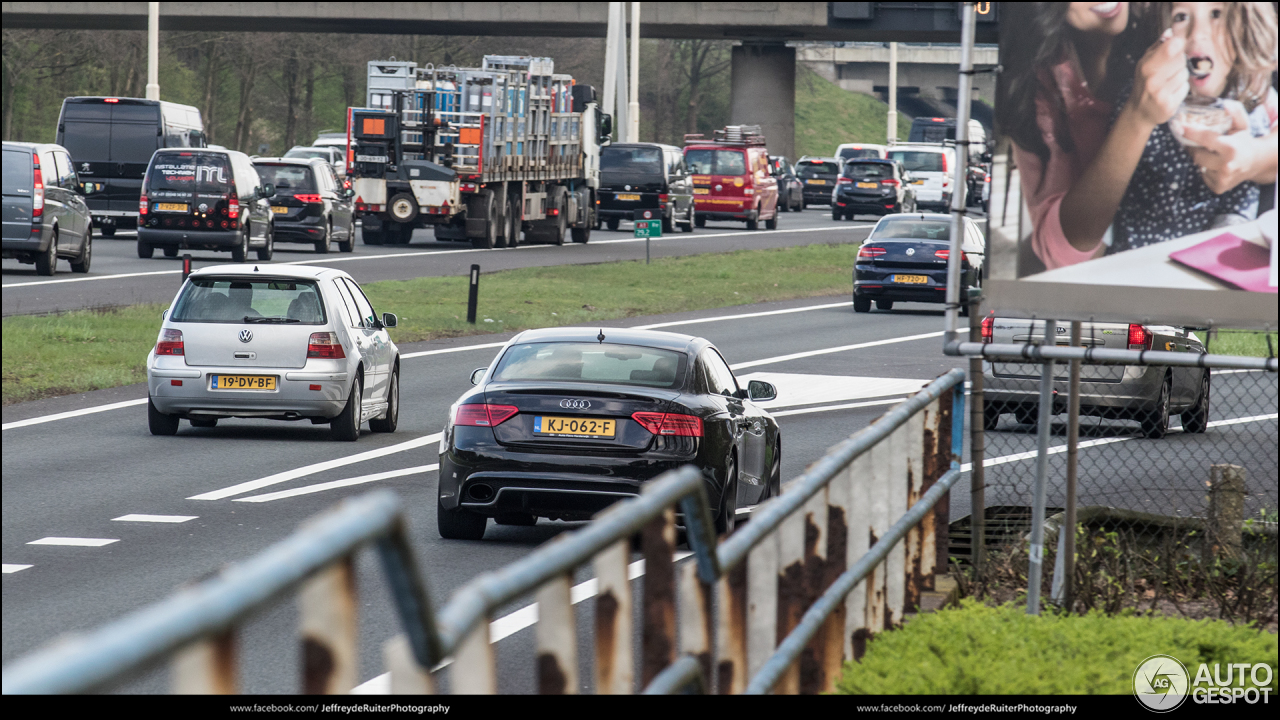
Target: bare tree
(701, 60)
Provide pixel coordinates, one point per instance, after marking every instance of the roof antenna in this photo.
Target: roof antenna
(600, 337)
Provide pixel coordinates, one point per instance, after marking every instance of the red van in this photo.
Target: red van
(731, 178)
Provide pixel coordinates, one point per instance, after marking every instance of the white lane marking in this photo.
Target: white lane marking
(358, 258)
(825, 351)
(508, 625)
(288, 475)
(674, 323)
(348, 482)
(464, 348)
(829, 408)
(1233, 372)
(14, 568)
(155, 518)
(72, 413)
(803, 389)
(73, 541)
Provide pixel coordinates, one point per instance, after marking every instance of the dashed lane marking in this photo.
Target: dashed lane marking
(8, 569)
(72, 413)
(74, 541)
(348, 482)
(155, 518)
(827, 351)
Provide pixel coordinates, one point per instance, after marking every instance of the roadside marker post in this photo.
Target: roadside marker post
(473, 296)
(648, 225)
(186, 266)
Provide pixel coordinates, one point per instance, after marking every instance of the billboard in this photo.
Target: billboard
(1133, 178)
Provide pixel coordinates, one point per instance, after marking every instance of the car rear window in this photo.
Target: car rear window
(189, 172)
(17, 172)
(868, 171)
(918, 160)
(808, 169)
(913, 229)
(288, 179)
(307, 153)
(855, 153)
(716, 162)
(243, 301)
(590, 362)
(639, 160)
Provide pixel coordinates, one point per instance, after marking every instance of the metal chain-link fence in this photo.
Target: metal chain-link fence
(1176, 475)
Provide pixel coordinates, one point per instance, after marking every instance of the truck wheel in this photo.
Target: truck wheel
(171, 251)
(515, 218)
(700, 220)
(481, 206)
(501, 237)
(688, 225)
(583, 234)
(403, 208)
(559, 225)
(370, 235)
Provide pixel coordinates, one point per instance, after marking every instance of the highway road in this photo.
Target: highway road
(119, 277)
(74, 470)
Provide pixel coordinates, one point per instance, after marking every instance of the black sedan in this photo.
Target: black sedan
(570, 420)
(905, 258)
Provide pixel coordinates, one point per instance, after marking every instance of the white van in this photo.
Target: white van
(858, 151)
(931, 167)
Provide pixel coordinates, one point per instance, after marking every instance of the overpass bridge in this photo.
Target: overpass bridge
(763, 66)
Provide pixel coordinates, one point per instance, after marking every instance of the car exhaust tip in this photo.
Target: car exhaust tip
(480, 492)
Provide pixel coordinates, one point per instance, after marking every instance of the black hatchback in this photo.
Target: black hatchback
(873, 187)
(819, 176)
(570, 420)
(310, 205)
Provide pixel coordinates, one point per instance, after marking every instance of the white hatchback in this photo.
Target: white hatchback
(274, 342)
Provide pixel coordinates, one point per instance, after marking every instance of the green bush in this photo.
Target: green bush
(978, 649)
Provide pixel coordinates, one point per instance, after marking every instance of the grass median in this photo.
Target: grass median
(50, 355)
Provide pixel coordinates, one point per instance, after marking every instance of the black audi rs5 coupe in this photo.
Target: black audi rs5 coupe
(570, 420)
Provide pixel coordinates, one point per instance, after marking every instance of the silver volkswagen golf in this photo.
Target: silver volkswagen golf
(275, 342)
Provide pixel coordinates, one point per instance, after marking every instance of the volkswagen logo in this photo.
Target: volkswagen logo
(626, 187)
(246, 335)
(911, 251)
(575, 404)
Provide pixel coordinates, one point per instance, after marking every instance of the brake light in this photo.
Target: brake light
(870, 251)
(170, 343)
(1140, 338)
(483, 415)
(946, 254)
(143, 203)
(670, 424)
(891, 181)
(986, 178)
(325, 345)
(111, 100)
(988, 328)
(307, 198)
(944, 162)
(663, 197)
(844, 180)
(467, 187)
(37, 193)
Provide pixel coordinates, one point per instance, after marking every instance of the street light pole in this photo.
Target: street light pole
(633, 111)
(891, 133)
(153, 51)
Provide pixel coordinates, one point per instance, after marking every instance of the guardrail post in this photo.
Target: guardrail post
(912, 543)
(407, 676)
(762, 602)
(896, 561)
(327, 604)
(792, 542)
(658, 645)
(557, 639)
(878, 516)
(473, 671)
(838, 513)
(207, 667)
(944, 451)
(695, 617)
(615, 673)
(854, 640)
(808, 670)
(731, 660)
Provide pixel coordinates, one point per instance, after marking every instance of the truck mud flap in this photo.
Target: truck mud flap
(477, 227)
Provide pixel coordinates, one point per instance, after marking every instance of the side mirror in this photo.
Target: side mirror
(606, 125)
(477, 375)
(761, 391)
(389, 320)
(348, 192)
(267, 190)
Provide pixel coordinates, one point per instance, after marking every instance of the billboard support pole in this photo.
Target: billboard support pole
(958, 185)
(153, 51)
(1036, 554)
(891, 128)
(1067, 542)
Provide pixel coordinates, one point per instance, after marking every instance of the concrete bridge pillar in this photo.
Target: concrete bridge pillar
(763, 92)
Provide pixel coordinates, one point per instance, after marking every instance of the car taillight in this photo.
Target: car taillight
(669, 423)
(1140, 338)
(484, 415)
(663, 197)
(142, 204)
(111, 100)
(890, 181)
(307, 198)
(988, 328)
(170, 343)
(944, 162)
(844, 180)
(233, 205)
(37, 193)
(946, 254)
(986, 178)
(870, 251)
(325, 345)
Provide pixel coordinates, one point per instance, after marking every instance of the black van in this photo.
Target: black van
(111, 141)
(635, 176)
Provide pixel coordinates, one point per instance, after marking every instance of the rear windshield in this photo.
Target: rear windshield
(133, 142)
(188, 173)
(235, 300)
(590, 362)
(914, 229)
(918, 160)
(855, 153)
(715, 162)
(288, 179)
(17, 173)
(868, 171)
(638, 160)
(808, 169)
(309, 153)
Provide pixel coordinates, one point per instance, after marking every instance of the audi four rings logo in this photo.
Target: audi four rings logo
(575, 404)
(246, 336)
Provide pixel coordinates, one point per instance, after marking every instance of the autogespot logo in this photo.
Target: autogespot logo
(1160, 683)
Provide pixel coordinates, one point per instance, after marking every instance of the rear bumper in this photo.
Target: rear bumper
(189, 238)
(867, 204)
(616, 213)
(307, 230)
(821, 195)
(38, 242)
(293, 397)
(903, 293)
(1137, 392)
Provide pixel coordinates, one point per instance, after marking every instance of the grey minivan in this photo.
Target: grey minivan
(45, 215)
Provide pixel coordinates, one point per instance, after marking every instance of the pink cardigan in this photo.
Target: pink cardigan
(1045, 184)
